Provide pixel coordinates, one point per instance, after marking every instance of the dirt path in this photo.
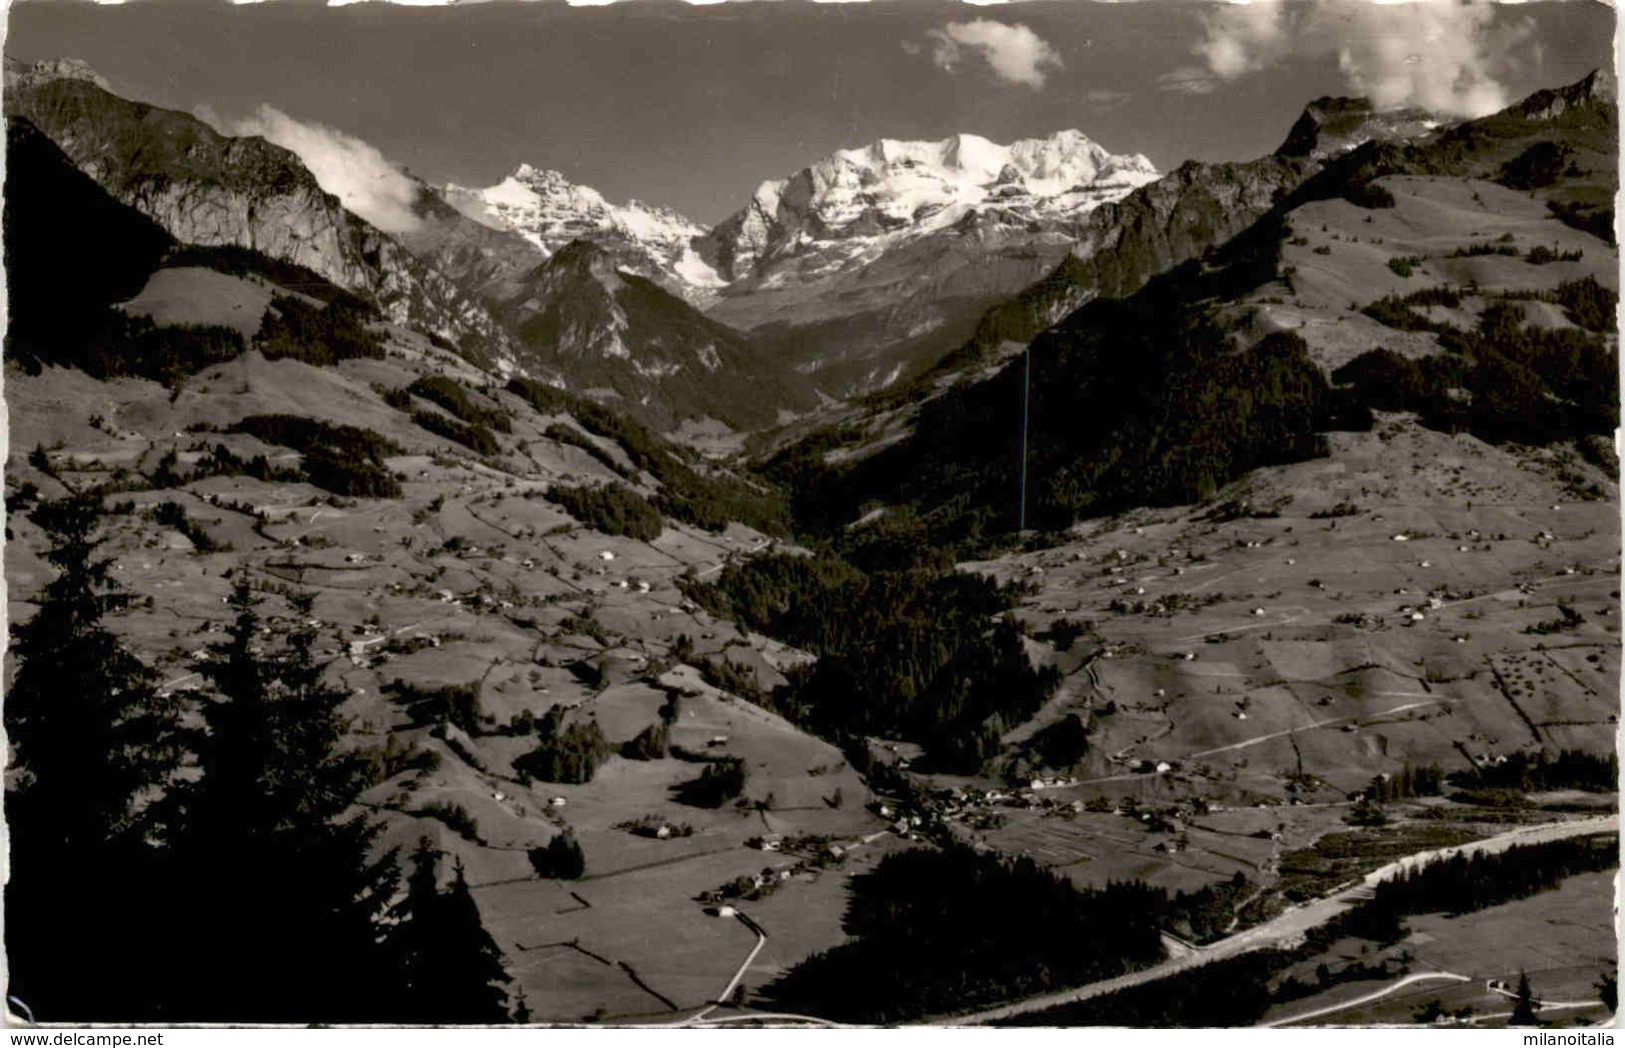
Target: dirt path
(1255, 740)
(744, 966)
(1343, 1006)
(1298, 610)
(1558, 1006)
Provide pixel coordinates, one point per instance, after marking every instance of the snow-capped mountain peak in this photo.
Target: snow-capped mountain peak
(1046, 166)
(837, 215)
(895, 188)
(550, 211)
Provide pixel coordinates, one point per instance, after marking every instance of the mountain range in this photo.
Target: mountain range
(863, 271)
(906, 242)
(946, 227)
(549, 211)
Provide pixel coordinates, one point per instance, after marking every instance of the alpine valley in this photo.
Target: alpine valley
(971, 583)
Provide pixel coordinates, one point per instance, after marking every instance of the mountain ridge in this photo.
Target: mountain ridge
(213, 190)
(586, 321)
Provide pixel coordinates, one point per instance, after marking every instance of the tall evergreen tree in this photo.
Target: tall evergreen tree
(451, 970)
(1523, 1012)
(280, 877)
(95, 739)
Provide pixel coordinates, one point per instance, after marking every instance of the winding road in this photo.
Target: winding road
(1291, 925)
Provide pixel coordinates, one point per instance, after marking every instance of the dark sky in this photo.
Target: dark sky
(692, 107)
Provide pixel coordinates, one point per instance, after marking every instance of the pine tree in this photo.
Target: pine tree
(95, 739)
(279, 879)
(1523, 1012)
(451, 969)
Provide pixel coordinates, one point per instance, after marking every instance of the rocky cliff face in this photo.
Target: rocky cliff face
(208, 189)
(1599, 88)
(1330, 126)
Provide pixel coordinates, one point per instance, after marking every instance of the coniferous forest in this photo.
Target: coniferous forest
(936, 932)
(918, 654)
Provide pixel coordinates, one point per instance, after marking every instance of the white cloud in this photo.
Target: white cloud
(1014, 52)
(361, 177)
(1188, 80)
(1443, 55)
(1243, 38)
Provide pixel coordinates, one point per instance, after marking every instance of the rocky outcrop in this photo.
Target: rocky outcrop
(1598, 88)
(20, 75)
(1330, 126)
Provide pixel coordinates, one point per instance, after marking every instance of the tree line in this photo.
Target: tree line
(319, 334)
(1523, 383)
(1464, 883)
(1537, 771)
(613, 509)
(346, 460)
(708, 500)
